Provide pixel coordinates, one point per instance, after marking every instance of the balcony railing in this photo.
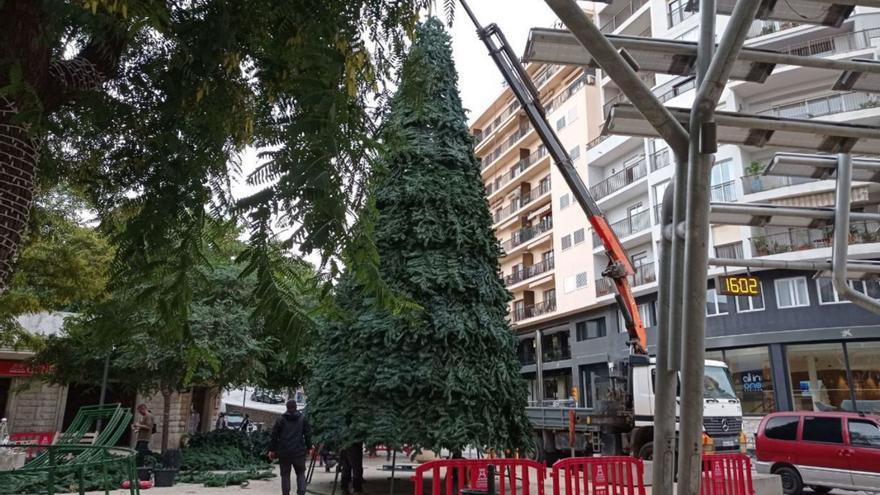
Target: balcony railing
(621, 16)
(762, 28)
(522, 201)
(759, 183)
(546, 75)
(633, 224)
(516, 170)
(527, 234)
(528, 272)
(572, 88)
(800, 239)
(725, 192)
(660, 159)
(824, 105)
(525, 360)
(828, 45)
(644, 274)
(556, 354)
(625, 177)
(538, 309)
(489, 129)
(730, 251)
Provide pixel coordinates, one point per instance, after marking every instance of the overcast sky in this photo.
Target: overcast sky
(478, 79)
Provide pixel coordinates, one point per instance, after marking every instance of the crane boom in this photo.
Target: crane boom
(619, 265)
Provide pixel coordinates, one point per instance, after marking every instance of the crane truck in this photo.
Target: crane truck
(622, 420)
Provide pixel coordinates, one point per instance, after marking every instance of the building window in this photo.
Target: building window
(560, 124)
(575, 153)
(590, 329)
(579, 236)
(746, 304)
(828, 294)
(715, 303)
(572, 115)
(646, 312)
(675, 12)
(791, 292)
(734, 250)
(575, 282)
(564, 201)
(566, 242)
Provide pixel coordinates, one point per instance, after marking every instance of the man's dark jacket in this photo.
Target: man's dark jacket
(290, 436)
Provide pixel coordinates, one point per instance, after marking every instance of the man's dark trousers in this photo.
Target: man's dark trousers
(299, 466)
(352, 464)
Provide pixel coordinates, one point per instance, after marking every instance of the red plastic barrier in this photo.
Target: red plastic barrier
(599, 476)
(727, 474)
(514, 476)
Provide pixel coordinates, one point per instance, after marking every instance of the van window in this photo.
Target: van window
(864, 433)
(826, 430)
(782, 428)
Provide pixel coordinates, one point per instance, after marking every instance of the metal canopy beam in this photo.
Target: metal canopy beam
(855, 270)
(555, 46)
(762, 215)
(760, 131)
(828, 13)
(821, 167)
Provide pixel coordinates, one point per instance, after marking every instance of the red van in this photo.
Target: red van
(821, 450)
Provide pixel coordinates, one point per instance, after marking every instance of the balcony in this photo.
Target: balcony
(523, 200)
(763, 28)
(516, 170)
(572, 88)
(631, 225)
(724, 193)
(618, 181)
(481, 134)
(621, 16)
(504, 146)
(526, 234)
(824, 105)
(538, 309)
(830, 45)
(556, 354)
(660, 159)
(644, 274)
(800, 239)
(528, 272)
(752, 184)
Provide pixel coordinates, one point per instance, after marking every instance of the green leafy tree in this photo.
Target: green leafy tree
(446, 375)
(148, 106)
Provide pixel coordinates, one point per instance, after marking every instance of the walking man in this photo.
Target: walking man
(289, 442)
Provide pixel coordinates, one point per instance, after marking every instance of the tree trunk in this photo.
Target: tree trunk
(18, 164)
(166, 418)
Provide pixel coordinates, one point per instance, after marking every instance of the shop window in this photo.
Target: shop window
(791, 292)
(865, 368)
(782, 428)
(818, 377)
(752, 378)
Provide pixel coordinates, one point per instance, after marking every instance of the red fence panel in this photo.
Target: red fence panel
(599, 476)
(727, 474)
(449, 476)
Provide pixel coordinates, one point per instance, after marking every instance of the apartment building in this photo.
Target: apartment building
(798, 346)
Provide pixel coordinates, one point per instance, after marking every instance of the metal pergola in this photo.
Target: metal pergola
(693, 136)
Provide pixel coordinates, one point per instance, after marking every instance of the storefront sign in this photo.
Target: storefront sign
(9, 367)
(753, 381)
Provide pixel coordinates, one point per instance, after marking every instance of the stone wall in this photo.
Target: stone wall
(181, 404)
(35, 406)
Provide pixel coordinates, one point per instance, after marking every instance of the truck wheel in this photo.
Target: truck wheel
(792, 484)
(538, 454)
(646, 453)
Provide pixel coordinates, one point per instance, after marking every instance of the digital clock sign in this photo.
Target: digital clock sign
(738, 285)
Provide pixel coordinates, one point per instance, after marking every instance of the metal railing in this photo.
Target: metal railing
(515, 171)
(801, 239)
(759, 183)
(763, 28)
(522, 201)
(660, 159)
(621, 16)
(527, 233)
(644, 274)
(725, 192)
(809, 108)
(556, 354)
(637, 222)
(625, 177)
(572, 88)
(528, 272)
(543, 77)
(538, 309)
(828, 45)
(730, 251)
(677, 15)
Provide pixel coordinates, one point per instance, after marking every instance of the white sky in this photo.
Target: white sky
(479, 81)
